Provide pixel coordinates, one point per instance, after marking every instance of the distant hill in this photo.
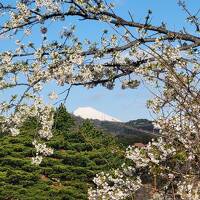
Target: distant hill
(134, 131)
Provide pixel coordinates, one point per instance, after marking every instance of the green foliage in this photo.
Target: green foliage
(128, 133)
(79, 153)
(180, 156)
(63, 120)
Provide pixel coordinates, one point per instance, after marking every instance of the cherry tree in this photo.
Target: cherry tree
(130, 51)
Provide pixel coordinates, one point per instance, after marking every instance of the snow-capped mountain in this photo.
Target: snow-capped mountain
(91, 113)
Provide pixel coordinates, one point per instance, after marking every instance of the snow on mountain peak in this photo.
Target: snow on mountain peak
(91, 113)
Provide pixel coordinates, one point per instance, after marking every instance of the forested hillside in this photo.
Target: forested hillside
(127, 133)
(79, 153)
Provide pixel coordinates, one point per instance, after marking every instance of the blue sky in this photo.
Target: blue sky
(123, 104)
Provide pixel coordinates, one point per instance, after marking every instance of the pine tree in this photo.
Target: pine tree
(62, 119)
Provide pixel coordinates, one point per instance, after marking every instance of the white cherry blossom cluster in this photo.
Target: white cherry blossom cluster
(50, 5)
(20, 17)
(37, 160)
(46, 121)
(41, 150)
(178, 108)
(137, 156)
(189, 189)
(115, 186)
